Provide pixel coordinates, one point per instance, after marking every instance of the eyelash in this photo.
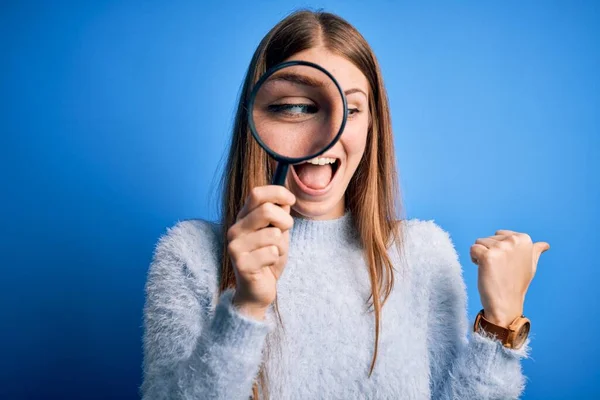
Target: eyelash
(293, 110)
(285, 108)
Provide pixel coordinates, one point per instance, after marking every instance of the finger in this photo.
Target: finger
(263, 216)
(506, 232)
(259, 195)
(277, 268)
(538, 249)
(488, 242)
(499, 237)
(477, 253)
(257, 239)
(254, 261)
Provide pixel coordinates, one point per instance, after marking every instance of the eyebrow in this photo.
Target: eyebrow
(355, 90)
(298, 79)
(309, 81)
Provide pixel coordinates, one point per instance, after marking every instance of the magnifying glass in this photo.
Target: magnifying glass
(296, 112)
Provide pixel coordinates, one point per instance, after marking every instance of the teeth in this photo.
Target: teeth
(321, 161)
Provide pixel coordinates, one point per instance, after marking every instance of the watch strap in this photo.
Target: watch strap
(482, 324)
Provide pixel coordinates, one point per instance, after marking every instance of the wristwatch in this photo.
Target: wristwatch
(512, 337)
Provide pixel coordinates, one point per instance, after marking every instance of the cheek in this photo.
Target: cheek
(354, 140)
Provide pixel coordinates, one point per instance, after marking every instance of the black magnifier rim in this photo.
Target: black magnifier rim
(257, 86)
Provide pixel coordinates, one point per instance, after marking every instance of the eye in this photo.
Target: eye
(293, 109)
(353, 111)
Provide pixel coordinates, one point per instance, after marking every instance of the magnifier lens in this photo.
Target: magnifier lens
(298, 112)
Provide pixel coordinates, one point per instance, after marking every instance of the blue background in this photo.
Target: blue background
(114, 118)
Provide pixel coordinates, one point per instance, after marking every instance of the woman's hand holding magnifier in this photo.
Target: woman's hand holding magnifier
(258, 247)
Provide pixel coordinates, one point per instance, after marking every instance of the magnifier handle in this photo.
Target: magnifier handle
(279, 176)
(280, 173)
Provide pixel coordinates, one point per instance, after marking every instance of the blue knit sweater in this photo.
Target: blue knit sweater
(198, 346)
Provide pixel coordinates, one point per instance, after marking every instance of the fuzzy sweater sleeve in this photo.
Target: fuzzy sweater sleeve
(196, 346)
(477, 367)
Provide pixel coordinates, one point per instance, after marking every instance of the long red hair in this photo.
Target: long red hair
(372, 195)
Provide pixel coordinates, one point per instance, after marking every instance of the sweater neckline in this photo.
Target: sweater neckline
(339, 230)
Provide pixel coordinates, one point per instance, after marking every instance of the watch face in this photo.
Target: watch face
(522, 335)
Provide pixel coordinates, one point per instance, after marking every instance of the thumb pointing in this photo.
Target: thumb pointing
(538, 249)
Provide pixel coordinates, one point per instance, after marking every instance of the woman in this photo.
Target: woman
(315, 290)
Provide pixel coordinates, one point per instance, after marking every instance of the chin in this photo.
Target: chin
(319, 209)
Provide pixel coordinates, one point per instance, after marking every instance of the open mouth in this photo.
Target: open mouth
(315, 176)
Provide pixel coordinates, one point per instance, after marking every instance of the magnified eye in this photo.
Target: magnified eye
(293, 110)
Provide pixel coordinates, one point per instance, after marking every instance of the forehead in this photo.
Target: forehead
(346, 73)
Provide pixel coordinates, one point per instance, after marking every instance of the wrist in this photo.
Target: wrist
(248, 309)
(502, 318)
(498, 319)
(512, 336)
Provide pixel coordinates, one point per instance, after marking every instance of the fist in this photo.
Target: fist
(258, 245)
(507, 264)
